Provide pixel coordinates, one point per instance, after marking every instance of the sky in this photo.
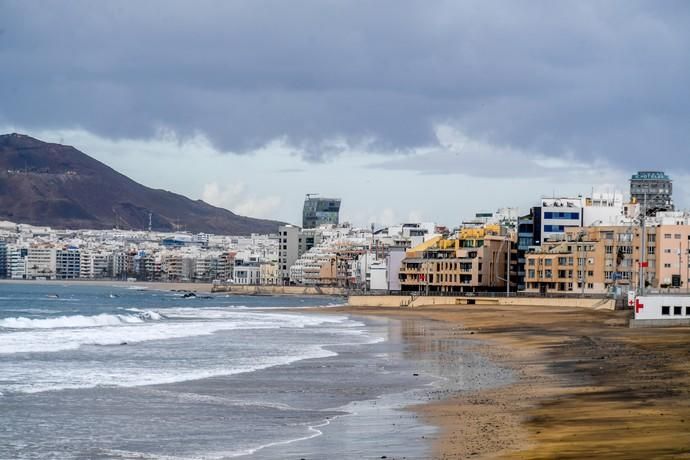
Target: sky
(407, 110)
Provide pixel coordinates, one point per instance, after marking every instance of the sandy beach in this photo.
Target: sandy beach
(586, 385)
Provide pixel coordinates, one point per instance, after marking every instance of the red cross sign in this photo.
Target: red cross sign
(638, 306)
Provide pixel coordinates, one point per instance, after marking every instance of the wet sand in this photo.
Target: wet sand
(587, 386)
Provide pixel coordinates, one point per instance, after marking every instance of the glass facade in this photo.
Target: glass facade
(320, 211)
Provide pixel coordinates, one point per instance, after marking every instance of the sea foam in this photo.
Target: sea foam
(72, 332)
(74, 321)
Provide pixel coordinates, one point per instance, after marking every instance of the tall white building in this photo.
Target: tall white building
(557, 214)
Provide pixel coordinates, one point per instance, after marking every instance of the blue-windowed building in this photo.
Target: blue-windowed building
(527, 237)
(557, 214)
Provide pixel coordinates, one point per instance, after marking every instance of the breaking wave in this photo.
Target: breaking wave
(78, 321)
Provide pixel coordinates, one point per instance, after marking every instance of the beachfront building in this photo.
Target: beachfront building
(68, 263)
(3, 258)
(602, 259)
(290, 244)
(475, 260)
(268, 273)
(16, 262)
(525, 240)
(40, 263)
(95, 265)
(246, 273)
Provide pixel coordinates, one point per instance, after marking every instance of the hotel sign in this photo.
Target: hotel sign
(650, 175)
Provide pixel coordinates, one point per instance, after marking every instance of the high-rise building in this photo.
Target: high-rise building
(653, 190)
(319, 211)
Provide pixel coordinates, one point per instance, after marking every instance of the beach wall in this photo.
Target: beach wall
(426, 301)
(279, 290)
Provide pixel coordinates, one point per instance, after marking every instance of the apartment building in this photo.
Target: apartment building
(476, 260)
(68, 263)
(40, 263)
(602, 259)
(3, 259)
(95, 265)
(246, 273)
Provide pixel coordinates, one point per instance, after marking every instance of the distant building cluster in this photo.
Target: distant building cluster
(602, 243)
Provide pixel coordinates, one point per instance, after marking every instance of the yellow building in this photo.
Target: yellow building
(474, 261)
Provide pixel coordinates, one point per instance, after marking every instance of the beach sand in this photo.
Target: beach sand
(586, 385)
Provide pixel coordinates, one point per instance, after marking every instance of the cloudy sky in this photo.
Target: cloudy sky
(406, 109)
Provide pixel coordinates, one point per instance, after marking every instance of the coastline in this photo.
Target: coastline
(159, 285)
(587, 385)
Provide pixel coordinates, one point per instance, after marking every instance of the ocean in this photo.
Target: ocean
(94, 372)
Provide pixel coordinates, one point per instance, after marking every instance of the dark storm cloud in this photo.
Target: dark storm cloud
(590, 79)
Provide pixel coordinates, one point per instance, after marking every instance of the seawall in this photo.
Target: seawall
(279, 290)
(426, 301)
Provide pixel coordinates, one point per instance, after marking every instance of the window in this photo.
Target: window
(677, 311)
(676, 236)
(554, 228)
(687, 311)
(667, 251)
(651, 250)
(608, 249)
(562, 215)
(667, 236)
(667, 265)
(530, 261)
(607, 235)
(651, 238)
(608, 275)
(590, 273)
(665, 311)
(548, 274)
(530, 273)
(548, 262)
(590, 285)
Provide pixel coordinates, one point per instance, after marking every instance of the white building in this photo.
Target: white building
(603, 208)
(95, 265)
(249, 274)
(653, 310)
(557, 214)
(290, 243)
(40, 263)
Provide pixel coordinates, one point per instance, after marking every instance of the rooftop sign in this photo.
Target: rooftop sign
(650, 175)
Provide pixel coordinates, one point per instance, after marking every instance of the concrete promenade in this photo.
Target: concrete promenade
(425, 301)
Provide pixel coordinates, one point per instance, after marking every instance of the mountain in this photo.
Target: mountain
(59, 186)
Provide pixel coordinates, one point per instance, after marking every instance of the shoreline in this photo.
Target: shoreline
(159, 285)
(587, 385)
